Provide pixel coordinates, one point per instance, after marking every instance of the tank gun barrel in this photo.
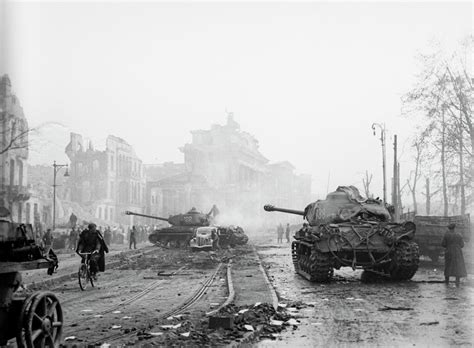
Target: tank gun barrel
(269, 207)
(147, 216)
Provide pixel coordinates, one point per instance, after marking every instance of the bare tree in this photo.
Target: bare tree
(412, 182)
(366, 182)
(14, 137)
(443, 95)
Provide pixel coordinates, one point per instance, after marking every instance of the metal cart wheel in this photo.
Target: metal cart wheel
(42, 321)
(20, 327)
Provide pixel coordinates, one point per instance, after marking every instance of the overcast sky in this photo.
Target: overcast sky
(306, 79)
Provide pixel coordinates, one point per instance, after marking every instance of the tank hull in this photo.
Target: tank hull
(174, 236)
(385, 248)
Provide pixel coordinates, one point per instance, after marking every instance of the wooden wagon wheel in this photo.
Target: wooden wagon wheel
(43, 323)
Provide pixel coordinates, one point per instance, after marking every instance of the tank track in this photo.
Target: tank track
(405, 260)
(312, 264)
(294, 255)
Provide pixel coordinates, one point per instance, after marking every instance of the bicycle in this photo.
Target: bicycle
(84, 274)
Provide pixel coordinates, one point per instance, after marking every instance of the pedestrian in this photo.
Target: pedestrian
(108, 235)
(48, 241)
(280, 233)
(453, 258)
(73, 235)
(132, 238)
(287, 233)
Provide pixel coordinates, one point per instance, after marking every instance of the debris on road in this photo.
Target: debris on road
(249, 328)
(388, 308)
(430, 323)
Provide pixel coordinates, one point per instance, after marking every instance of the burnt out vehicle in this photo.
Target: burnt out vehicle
(33, 319)
(231, 236)
(347, 230)
(182, 227)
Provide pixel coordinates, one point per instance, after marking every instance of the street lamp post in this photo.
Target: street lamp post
(56, 168)
(382, 140)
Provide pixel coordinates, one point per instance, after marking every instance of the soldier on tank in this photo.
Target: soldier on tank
(453, 258)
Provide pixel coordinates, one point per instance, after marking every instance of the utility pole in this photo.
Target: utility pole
(382, 140)
(396, 181)
(56, 168)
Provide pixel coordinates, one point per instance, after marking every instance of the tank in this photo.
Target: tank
(348, 230)
(181, 230)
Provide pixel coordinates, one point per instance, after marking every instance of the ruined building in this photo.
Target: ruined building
(14, 154)
(108, 182)
(223, 166)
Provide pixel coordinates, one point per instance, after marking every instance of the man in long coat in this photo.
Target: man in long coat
(453, 258)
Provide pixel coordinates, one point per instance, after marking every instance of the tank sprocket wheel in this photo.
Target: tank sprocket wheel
(405, 260)
(321, 268)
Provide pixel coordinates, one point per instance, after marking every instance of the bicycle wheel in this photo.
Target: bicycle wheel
(83, 276)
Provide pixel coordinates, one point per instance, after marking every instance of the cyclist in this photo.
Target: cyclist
(90, 241)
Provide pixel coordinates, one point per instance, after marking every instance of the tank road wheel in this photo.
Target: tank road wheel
(295, 256)
(43, 324)
(405, 259)
(153, 238)
(321, 269)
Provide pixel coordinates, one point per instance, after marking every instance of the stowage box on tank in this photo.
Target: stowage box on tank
(348, 230)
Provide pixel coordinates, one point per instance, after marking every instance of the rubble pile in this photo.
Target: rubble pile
(261, 319)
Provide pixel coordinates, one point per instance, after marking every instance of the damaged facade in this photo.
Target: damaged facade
(106, 183)
(14, 192)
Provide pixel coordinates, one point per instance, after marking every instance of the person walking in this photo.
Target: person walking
(48, 241)
(287, 233)
(73, 239)
(280, 233)
(132, 238)
(454, 265)
(108, 235)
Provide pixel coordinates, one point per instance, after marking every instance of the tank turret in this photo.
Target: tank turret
(192, 218)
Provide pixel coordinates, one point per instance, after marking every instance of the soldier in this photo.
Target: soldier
(132, 239)
(287, 233)
(280, 233)
(453, 258)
